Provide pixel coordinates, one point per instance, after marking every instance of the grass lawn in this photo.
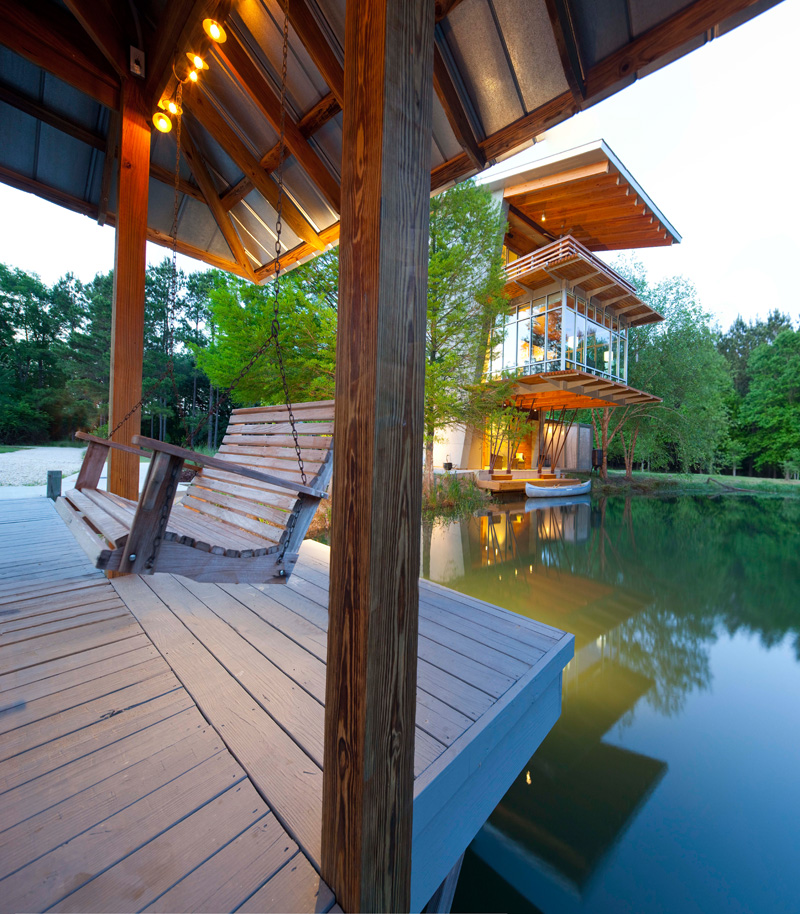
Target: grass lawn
(10, 448)
(677, 483)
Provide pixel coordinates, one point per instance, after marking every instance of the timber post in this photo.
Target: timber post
(127, 322)
(375, 542)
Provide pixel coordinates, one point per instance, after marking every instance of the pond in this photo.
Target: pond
(671, 781)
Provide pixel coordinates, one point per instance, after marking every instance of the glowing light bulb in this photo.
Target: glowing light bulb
(198, 62)
(162, 122)
(193, 76)
(543, 217)
(528, 778)
(214, 30)
(172, 107)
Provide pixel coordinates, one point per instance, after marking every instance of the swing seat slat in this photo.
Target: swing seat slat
(243, 517)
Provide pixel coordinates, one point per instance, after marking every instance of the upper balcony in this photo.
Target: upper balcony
(569, 263)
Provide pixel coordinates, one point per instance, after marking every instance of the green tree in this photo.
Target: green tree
(771, 409)
(465, 284)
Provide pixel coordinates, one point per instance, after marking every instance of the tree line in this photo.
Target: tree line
(730, 400)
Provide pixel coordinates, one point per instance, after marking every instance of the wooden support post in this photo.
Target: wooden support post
(374, 595)
(127, 330)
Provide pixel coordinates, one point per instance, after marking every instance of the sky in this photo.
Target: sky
(713, 139)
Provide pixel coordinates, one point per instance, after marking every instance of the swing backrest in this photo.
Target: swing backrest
(261, 438)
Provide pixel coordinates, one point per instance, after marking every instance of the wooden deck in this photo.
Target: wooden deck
(161, 740)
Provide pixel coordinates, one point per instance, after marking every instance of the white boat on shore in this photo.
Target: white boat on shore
(556, 491)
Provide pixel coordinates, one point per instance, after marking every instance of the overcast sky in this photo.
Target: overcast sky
(711, 138)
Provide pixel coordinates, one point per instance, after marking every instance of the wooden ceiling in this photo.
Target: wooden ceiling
(576, 390)
(586, 193)
(504, 71)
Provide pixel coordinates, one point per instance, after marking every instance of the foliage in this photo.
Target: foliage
(678, 361)
(770, 411)
(243, 314)
(464, 298)
(452, 495)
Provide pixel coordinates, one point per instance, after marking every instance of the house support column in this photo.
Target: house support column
(127, 322)
(377, 486)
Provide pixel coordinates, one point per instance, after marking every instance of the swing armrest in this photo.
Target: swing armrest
(95, 458)
(228, 467)
(116, 445)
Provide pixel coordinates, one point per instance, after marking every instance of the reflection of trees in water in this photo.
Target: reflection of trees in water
(670, 650)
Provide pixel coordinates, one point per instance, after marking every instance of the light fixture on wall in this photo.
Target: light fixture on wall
(196, 61)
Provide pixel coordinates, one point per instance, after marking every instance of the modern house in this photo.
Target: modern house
(564, 337)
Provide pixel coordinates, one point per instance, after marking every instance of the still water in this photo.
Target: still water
(671, 782)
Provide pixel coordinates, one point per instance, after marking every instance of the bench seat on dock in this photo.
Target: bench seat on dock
(162, 738)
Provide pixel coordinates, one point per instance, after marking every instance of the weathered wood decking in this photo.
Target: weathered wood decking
(161, 740)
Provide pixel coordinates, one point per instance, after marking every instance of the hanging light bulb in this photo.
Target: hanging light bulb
(214, 30)
(173, 108)
(162, 122)
(196, 61)
(543, 217)
(193, 75)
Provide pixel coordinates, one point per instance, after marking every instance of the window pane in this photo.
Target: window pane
(510, 347)
(580, 338)
(524, 342)
(569, 331)
(537, 341)
(603, 356)
(554, 340)
(538, 305)
(591, 345)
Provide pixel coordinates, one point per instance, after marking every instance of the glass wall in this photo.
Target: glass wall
(555, 332)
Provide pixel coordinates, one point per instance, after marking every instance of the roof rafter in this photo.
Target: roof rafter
(100, 24)
(202, 109)
(16, 99)
(255, 84)
(568, 50)
(49, 37)
(211, 196)
(314, 41)
(454, 108)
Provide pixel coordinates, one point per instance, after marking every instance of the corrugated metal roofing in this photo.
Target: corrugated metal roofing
(516, 67)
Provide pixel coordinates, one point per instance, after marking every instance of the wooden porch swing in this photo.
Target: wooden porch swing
(243, 517)
(248, 510)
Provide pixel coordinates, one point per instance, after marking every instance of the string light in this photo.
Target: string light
(196, 61)
(162, 122)
(193, 76)
(214, 30)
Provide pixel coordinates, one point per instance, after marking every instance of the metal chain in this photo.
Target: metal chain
(276, 327)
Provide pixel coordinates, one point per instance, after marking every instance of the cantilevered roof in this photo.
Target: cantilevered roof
(584, 274)
(576, 390)
(585, 192)
(504, 71)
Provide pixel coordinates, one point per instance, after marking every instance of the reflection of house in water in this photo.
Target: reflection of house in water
(579, 793)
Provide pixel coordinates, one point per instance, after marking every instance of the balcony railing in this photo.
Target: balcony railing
(566, 248)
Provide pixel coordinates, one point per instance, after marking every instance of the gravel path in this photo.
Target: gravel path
(29, 467)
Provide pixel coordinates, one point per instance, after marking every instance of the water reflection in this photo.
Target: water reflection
(647, 587)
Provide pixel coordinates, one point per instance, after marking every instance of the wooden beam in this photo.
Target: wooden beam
(165, 176)
(568, 50)
(303, 251)
(16, 99)
(557, 180)
(212, 260)
(48, 36)
(529, 226)
(127, 321)
(374, 587)
(179, 30)
(454, 108)
(203, 110)
(209, 191)
(112, 142)
(319, 50)
(99, 22)
(325, 109)
(253, 81)
(22, 182)
(695, 19)
(521, 131)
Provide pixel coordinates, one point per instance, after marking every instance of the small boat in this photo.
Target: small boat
(542, 504)
(556, 491)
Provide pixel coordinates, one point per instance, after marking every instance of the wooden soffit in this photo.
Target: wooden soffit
(576, 390)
